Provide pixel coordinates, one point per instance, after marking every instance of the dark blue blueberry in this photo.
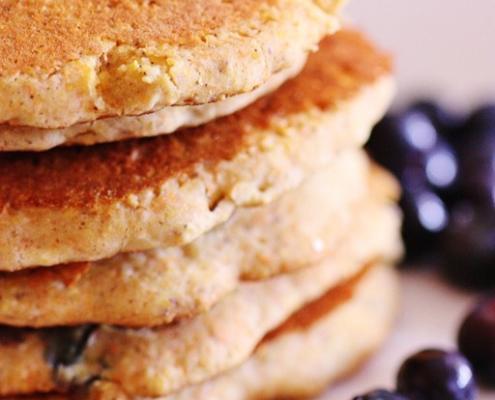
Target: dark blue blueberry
(445, 121)
(482, 117)
(476, 152)
(477, 166)
(410, 146)
(468, 247)
(477, 340)
(402, 140)
(66, 344)
(425, 218)
(381, 394)
(436, 375)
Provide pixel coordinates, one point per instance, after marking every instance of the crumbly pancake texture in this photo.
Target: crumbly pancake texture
(318, 344)
(64, 62)
(164, 121)
(159, 286)
(162, 360)
(83, 204)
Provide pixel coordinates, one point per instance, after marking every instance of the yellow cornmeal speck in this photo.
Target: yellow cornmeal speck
(268, 143)
(132, 200)
(122, 69)
(268, 15)
(134, 65)
(255, 54)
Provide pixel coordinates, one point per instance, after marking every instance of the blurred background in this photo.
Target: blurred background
(442, 47)
(443, 152)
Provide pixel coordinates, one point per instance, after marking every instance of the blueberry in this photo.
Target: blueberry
(477, 168)
(468, 247)
(477, 340)
(482, 117)
(65, 345)
(476, 152)
(441, 167)
(445, 121)
(401, 141)
(436, 375)
(425, 218)
(380, 394)
(410, 146)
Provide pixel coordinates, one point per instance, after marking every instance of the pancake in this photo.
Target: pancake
(156, 362)
(164, 121)
(84, 204)
(318, 344)
(158, 287)
(66, 62)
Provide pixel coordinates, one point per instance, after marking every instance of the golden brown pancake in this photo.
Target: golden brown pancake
(321, 341)
(157, 287)
(64, 62)
(84, 204)
(158, 361)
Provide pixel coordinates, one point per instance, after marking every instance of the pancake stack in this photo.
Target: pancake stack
(185, 208)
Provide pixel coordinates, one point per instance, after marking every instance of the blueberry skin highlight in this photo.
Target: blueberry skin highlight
(425, 218)
(446, 121)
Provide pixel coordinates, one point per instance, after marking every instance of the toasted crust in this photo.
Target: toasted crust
(303, 359)
(156, 287)
(65, 62)
(159, 361)
(83, 204)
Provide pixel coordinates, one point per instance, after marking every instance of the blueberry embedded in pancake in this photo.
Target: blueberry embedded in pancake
(158, 361)
(353, 319)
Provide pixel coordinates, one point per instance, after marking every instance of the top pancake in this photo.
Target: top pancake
(64, 62)
(80, 204)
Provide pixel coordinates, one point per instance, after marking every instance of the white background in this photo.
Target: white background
(443, 48)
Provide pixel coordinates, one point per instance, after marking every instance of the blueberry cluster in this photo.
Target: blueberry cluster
(446, 165)
(435, 374)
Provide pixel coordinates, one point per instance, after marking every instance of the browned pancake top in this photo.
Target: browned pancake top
(45, 34)
(83, 177)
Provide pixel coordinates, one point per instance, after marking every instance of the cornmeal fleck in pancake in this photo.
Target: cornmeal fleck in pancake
(84, 204)
(321, 342)
(159, 286)
(64, 62)
(158, 361)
